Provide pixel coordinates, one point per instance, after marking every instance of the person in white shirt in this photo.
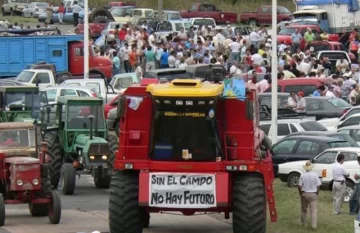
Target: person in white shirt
(76, 10)
(182, 34)
(325, 92)
(235, 50)
(342, 65)
(309, 188)
(152, 40)
(254, 38)
(172, 59)
(304, 66)
(353, 93)
(292, 100)
(256, 59)
(355, 196)
(301, 103)
(339, 185)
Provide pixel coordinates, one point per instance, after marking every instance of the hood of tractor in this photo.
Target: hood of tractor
(18, 151)
(95, 146)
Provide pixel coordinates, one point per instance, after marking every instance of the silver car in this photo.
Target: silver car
(34, 9)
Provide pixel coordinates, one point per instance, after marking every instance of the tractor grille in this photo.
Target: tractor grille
(99, 149)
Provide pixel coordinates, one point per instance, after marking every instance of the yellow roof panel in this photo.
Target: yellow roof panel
(186, 88)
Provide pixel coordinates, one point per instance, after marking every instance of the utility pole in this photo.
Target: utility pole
(86, 39)
(160, 9)
(274, 71)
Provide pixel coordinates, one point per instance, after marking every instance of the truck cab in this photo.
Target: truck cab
(311, 12)
(38, 77)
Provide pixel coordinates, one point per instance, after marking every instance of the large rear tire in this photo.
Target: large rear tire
(68, 179)
(124, 211)
(2, 210)
(249, 204)
(55, 155)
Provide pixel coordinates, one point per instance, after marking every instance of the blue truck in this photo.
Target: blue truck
(65, 52)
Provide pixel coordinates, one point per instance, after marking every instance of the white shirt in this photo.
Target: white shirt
(329, 94)
(182, 65)
(338, 172)
(304, 67)
(125, 53)
(76, 8)
(309, 182)
(151, 40)
(254, 36)
(234, 47)
(256, 59)
(291, 102)
(301, 104)
(171, 61)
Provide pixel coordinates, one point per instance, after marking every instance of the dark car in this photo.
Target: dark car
(353, 131)
(326, 107)
(338, 135)
(298, 148)
(167, 75)
(265, 99)
(204, 71)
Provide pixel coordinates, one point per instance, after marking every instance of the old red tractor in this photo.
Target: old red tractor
(187, 146)
(24, 177)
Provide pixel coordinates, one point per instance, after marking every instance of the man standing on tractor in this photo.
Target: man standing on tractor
(309, 187)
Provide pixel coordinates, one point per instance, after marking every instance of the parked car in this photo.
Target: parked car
(318, 45)
(288, 126)
(111, 105)
(284, 36)
(339, 135)
(265, 99)
(13, 7)
(167, 15)
(326, 107)
(331, 123)
(306, 85)
(122, 14)
(196, 22)
(119, 4)
(353, 131)
(166, 75)
(122, 81)
(112, 121)
(333, 56)
(203, 71)
(98, 21)
(351, 120)
(34, 9)
(209, 11)
(68, 16)
(263, 16)
(290, 172)
(5, 82)
(299, 148)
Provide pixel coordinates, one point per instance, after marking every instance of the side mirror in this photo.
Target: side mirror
(312, 160)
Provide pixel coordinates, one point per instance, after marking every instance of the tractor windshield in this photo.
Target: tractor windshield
(16, 138)
(185, 134)
(23, 100)
(78, 117)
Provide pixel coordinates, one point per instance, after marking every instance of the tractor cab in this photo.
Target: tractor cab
(184, 123)
(19, 139)
(20, 103)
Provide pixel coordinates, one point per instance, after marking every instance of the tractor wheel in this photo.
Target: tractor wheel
(56, 159)
(68, 179)
(124, 211)
(114, 146)
(2, 210)
(41, 210)
(102, 183)
(54, 210)
(249, 204)
(145, 218)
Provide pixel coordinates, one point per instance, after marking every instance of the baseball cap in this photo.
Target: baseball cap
(301, 93)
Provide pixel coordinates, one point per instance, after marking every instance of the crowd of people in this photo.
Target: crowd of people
(140, 49)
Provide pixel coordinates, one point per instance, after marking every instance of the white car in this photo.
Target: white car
(290, 172)
(53, 93)
(289, 126)
(332, 123)
(353, 131)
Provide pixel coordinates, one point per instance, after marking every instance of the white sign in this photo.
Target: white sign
(179, 190)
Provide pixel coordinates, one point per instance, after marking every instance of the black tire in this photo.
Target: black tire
(349, 190)
(68, 179)
(249, 203)
(3, 12)
(56, 159)
(102, 183)
(54, 210)
(114, 146)
(2, 210)
(253, 23)
(41, 210)
(124, 211)
(293, 180)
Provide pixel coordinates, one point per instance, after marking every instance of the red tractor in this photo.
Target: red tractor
(24, 177)
(184, 146)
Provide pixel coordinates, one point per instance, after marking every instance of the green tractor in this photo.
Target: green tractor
(78, 143)
(20, 103)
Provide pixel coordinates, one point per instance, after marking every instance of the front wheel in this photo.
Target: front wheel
(54, 207)
(253, 23)
(293, 180)
(2, 210)
(68, 179)
(102, 183)
(249, 204)
(124, 211)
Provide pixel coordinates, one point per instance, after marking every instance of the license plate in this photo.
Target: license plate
(179, 190)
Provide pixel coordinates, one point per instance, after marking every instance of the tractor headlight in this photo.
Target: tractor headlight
(19, 182)
(92, 157)
(104, 157)
(35, 182)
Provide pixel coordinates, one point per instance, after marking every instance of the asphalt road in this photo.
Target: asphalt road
(87, 211)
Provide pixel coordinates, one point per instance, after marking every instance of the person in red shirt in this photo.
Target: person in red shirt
(61, 12)
(122, 34)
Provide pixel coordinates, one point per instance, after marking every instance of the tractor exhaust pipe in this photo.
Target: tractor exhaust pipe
(91, 118)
